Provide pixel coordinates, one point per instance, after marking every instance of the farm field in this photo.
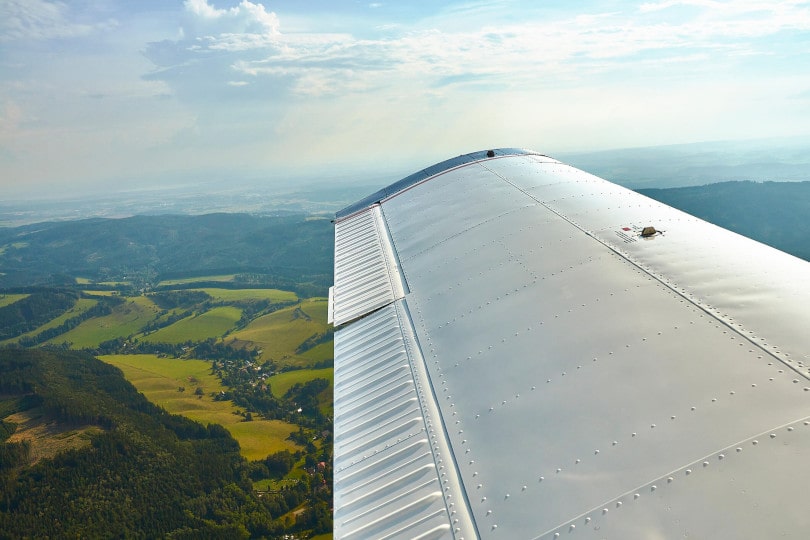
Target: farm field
(226, 278)
(280, 333)
(211, 324)
(7, 299)
(279, 384)
(236, 295)
(125, 320)
(82, 305)
(171, 382)
(160, 379)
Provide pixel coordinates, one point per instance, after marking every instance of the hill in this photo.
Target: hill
(81, 446)
(279, 251)
(774, 213)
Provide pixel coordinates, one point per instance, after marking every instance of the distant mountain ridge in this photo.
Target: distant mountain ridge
(774, 213)
(297, 248)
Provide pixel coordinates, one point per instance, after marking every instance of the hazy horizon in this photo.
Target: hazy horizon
(110, 96)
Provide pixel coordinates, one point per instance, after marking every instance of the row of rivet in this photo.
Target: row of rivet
(685, 471)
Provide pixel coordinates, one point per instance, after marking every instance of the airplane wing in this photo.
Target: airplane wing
(524, 350)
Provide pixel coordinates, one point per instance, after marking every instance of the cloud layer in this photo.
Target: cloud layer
(285, 86)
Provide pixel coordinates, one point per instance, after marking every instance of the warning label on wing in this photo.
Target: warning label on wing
(634, 232)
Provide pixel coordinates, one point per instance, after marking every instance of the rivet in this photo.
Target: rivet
(790, 428)
(578, 461)
(480, 486)
(652, 426)
(693, 408)
(572, 527)
(633, 434)
(669, 480)
(721, 456)
(524, 488)
(773, 435)
(605, 511)
(636, 496)
(541, 479)
(688, 472)
(494, 527)
(755, 442)
(672, 417)
(653, 487)
(615, 443)
(483, 499)
(559, 470)
(489, 512)
(618, 504)
(739, 449)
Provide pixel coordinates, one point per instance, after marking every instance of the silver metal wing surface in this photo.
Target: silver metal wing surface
(524, 350)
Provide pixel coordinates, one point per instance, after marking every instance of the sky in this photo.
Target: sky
(106, 95)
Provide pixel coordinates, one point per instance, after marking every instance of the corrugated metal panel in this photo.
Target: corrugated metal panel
(596, 384)
(390, 477)
(366, 272)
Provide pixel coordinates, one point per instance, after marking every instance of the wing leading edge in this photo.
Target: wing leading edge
(514, 359)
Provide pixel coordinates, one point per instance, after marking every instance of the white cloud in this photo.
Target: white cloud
(39, 19)
(246, 17)
(512, 55)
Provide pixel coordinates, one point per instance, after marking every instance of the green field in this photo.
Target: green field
(236, 295)
(227, 278)
(7, 299)
(82, 305)
(159, 379)
(279, 384)
(280, 333)
(101, 293)
(211, 324)
(125, 320)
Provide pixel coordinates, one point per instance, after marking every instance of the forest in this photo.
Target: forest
(139, 471)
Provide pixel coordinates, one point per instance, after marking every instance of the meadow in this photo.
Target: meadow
(237, 295)
(210, 324)
(125, 320)
(172, 383)
(280, 333)
(280, 383)
(160, 380)
(6, 299)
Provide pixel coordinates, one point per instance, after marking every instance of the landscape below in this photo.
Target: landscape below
(217, 321)
(171, 376)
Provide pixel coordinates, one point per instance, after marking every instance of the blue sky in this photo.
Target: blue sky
(114, 94)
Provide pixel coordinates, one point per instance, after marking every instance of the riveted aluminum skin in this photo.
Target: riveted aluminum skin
(591, 382)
